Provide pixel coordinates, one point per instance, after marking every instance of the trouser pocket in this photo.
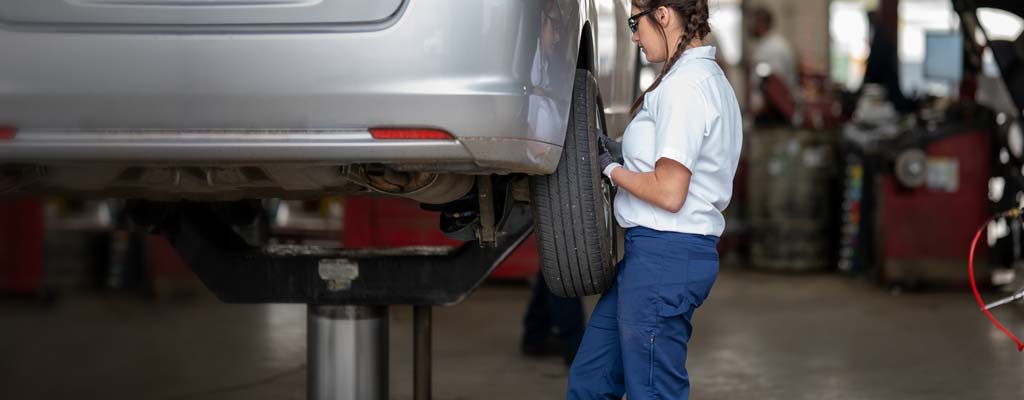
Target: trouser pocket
(683, 289)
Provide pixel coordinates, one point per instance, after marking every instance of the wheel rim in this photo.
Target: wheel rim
(607, 195)
(607, 191)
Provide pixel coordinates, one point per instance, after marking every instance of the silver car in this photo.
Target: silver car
(167, 100)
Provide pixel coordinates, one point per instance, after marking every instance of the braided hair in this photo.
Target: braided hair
(694, 14)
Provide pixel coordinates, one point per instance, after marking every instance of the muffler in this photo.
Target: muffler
(424, 187)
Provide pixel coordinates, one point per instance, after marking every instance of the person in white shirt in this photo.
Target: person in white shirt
(680, 154)
(772, 56)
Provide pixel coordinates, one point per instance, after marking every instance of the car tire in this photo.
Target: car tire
(572, 215)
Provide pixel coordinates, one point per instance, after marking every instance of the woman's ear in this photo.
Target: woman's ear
(664, 16)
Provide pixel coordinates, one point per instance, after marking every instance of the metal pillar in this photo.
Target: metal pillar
(422, 342)
(347, 352)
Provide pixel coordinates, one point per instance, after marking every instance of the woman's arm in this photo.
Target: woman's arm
(666, 187)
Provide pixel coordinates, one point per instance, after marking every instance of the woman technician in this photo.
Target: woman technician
(680, 154)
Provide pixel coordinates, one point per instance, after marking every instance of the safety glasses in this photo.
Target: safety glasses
(634, 20)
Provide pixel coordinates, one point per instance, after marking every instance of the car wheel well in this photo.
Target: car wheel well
(585, 58)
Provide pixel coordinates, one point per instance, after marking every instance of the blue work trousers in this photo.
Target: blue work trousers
(636, 340)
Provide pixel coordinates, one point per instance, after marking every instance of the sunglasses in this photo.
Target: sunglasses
(634, 20)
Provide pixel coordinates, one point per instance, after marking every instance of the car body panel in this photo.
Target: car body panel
(472, 68)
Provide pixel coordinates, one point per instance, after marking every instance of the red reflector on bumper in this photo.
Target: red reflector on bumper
(7, 132)
(410, 134)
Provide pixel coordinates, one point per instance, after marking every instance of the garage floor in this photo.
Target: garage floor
(760, 336)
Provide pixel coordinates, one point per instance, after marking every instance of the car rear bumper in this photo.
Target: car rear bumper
(268, 147)
(125, 93)
(229, 165)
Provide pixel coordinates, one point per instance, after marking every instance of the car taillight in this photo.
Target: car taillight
(8, 132)
(410, 134)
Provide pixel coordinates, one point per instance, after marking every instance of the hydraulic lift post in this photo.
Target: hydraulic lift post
(347, 352)
(347, 292)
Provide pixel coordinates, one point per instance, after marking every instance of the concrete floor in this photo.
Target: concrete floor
(759, 336)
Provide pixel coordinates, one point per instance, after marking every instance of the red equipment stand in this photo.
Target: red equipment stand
(925, 232)
(21, 247)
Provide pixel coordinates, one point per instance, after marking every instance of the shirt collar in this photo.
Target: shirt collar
(707, 52)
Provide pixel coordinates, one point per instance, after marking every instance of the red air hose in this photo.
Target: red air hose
(974, 286)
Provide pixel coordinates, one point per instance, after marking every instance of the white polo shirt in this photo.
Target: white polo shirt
(692, 117)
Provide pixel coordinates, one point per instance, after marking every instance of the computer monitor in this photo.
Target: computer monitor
(943, 56)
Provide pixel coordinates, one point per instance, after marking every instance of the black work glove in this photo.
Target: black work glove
(609, 155)
(605, 159)
(613, 148)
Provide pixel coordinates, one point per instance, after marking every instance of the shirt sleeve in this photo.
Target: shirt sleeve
(680, 123)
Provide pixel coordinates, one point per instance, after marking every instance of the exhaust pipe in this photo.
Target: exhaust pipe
(424, 187)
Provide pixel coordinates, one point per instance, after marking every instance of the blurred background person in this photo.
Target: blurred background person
(773, 58)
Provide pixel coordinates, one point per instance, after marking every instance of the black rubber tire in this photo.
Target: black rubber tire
(572, 206)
